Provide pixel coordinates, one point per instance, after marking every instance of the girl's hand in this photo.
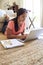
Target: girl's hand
(24, 36)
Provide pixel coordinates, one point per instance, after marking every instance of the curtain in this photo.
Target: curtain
(34, 6)
(41, 12)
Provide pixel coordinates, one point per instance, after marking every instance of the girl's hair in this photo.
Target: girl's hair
(19, 12)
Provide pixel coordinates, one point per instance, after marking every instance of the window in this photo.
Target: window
(35, 10)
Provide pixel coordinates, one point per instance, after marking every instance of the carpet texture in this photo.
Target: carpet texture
(30, 54)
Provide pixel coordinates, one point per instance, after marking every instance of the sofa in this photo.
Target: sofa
(3, 14)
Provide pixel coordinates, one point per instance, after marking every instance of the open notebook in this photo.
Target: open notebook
(10, 43)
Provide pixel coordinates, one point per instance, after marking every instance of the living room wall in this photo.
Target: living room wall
(4, 3)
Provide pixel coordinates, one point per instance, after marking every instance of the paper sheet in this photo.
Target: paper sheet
(11, 43)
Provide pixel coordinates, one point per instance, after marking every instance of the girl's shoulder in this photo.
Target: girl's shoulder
(12, 20)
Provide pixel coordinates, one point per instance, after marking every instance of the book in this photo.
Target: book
(10, 43)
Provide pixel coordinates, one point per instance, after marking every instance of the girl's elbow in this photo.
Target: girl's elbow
(8, 36)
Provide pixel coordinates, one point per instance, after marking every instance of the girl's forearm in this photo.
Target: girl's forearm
(15, 36)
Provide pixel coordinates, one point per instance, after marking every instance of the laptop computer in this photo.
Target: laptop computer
(34, 34)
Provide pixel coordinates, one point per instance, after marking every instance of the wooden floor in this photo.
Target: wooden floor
(29, 54)
(2, 36)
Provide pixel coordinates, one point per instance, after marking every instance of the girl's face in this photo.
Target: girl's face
(22, 18)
